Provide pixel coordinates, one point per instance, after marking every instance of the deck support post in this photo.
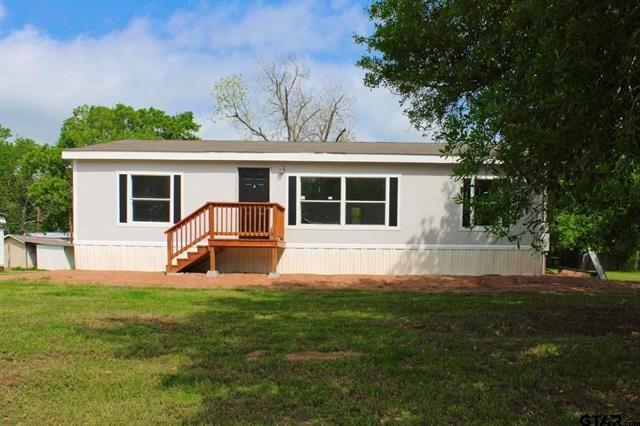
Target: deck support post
(212, 259)
(274, 259)
(274, 263)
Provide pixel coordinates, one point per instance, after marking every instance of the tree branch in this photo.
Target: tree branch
(257, 132)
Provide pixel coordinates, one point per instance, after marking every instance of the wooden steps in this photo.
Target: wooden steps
(225, 224)
(192, 258)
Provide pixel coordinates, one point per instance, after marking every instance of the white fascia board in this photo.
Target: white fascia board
(255, 156)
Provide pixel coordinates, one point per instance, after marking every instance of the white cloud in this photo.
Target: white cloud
(293, 27)
(172, 65)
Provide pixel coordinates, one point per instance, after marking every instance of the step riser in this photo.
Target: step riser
(191, 258)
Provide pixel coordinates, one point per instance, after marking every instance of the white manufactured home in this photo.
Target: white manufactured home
(290, 207)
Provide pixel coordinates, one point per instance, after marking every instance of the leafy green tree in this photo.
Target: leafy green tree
(95, 124)
(34, 188)
(35, 182)
(545, 94)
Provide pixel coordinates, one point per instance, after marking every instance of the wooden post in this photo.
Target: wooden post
(212, 258)
(274, 259)
(169, 249)
(211, 221)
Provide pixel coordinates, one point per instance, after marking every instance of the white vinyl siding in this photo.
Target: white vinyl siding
(428, 238)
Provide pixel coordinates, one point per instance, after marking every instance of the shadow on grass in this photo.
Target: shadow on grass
(425, 358)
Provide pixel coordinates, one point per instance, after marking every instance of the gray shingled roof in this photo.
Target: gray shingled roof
(382, 148)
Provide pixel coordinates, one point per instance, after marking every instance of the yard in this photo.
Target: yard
(628, 276)
(115, 355)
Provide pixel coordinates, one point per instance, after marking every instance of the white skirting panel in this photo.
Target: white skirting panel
(120, 257)
(397, 261)
(410, 261)
(250, 260)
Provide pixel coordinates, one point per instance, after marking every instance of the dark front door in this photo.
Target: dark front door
(254, 185)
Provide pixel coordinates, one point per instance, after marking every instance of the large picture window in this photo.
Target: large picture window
(149, 198)
(344, 200)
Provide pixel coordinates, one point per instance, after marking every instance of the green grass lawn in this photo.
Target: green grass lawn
(628, 276)
(109, 355)
(16, 270)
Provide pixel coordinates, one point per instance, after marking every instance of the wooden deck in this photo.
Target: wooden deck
(217, 225)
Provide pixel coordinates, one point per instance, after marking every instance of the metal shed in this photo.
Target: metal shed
(23, 251)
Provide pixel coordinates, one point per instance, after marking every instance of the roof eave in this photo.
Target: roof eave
(258, 157)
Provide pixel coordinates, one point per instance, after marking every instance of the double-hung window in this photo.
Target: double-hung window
(475, 214)
(320, 200)
(149, 198)
(343, 200)
(366, 201)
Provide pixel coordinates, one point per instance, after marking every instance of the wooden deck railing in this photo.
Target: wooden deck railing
(226, 220)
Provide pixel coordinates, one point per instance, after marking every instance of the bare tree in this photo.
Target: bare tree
(285, 108)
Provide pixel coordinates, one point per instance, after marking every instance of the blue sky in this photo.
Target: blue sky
(55, 55)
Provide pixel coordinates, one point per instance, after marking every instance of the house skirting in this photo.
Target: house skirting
(324, 259)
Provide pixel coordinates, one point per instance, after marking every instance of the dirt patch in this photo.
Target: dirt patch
(421, 283)
(255, 355)
(9, 378)
(320, 356)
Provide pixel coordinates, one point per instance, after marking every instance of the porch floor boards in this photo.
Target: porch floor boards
(255, 243)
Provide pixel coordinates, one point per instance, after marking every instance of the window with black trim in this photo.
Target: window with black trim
(344, 200)
(478, 215)
(149, 198)
(320, 200)
(366, 201)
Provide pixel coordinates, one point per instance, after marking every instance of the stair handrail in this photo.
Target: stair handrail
(189, 216)
(198, 229)
(181, 245)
